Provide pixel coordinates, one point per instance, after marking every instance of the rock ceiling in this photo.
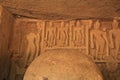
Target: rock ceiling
(63, 9)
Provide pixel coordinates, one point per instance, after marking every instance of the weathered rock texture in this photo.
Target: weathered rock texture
(57, 9)
(62, 65)
(6, 24)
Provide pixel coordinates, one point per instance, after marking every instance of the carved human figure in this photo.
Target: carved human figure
(66, 30)
(78, 34)
(62, 34)
(31, 47)
(114, 37)
(71, 26)
(98, 40)
(32, 50)
(39, 37)
(50, 35)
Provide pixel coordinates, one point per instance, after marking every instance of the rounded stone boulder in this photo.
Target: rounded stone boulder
(62, 65)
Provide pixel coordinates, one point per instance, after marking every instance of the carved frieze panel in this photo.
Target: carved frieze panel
(97, 38)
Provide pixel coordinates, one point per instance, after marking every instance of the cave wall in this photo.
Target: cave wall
(6, 24)
(46, 35)
(99, 43)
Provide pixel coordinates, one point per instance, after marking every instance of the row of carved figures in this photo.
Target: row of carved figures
(61, 36)
(54, 37)
(103, 41)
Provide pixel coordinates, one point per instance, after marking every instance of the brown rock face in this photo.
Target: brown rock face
(63, 9)
(62, 65)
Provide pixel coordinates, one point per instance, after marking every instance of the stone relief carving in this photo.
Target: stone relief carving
(34, 43)
(93, 38)
(31, 47)
(31, 41)
(78, 34)
(114, 37)
(98, 40)
(86, 35)
(50, 35)
(65, 34)
(62, 35)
